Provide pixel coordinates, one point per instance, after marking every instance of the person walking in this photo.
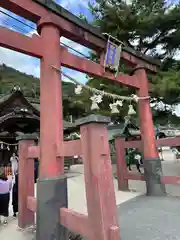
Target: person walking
(5, 188)
(15, 196)
(14, 164)
(138, 159)
(128, 160)
(36, 170)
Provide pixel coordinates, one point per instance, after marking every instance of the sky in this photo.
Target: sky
(29, 64)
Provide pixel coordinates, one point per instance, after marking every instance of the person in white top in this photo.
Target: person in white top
(5, 188)
(138, 162)
(14, 164)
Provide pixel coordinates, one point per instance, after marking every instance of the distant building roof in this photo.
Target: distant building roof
(7, 99)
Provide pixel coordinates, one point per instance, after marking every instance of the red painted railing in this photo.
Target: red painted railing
(122, 173)
(101, 220)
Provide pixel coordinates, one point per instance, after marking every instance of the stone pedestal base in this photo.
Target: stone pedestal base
(51, 196)
(153, 174)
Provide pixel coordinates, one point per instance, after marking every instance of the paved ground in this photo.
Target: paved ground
(140, 217)
(150, 218)
(171, 167)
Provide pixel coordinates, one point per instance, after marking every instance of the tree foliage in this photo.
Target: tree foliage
(143, 25)
(153, 28)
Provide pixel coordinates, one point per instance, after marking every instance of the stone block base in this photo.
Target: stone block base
(51, 196)
(153, 174)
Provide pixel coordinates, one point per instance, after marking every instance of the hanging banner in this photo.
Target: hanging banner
(113, 55)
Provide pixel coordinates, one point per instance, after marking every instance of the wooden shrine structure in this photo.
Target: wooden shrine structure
(20, 115)
(51, 206)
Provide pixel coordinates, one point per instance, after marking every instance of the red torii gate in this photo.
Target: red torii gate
(122, 173)
(101, 222)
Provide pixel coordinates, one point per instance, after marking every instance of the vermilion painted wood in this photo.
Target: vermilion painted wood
(24, 8)
(121, 165)
(33, 152)
(26, 184)
(98, 181)
(113, 233)
(74, 221)
(51, 124)
(134, 176)
(171, 179)
(94, 69)
(34, 12)
(16, 41)
(165, 179)
(33, 47)
(175, 141)
(72, 148)
(145, 115)
(172, 142)
(32, 204)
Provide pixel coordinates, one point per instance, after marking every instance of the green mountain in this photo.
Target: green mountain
(30, 86)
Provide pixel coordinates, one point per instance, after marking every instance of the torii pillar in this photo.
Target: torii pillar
(52, 184)
(152, 163)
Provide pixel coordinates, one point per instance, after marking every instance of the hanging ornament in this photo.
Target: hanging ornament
(95, 100)
(1, 145)
(113, 107)
(131, 110)
(16, 147)
(119, 103)
(135, 97)
(94, 106)
(78, 89)
(8, 148)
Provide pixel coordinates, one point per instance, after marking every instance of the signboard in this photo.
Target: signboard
(113, 54)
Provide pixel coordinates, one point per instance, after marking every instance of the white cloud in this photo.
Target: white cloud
(21, 62)
(31, 66)
(77, 47)
(69, 4)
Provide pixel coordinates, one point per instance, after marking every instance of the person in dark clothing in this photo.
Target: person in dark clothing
(15, 196)
(138, 159)
(128, 161)
(36, 170)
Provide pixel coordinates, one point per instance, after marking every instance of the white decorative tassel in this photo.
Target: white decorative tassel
(119, 103)
(131, 110)
(94, 106)
(95, 100)
(135, 97)
(78, 89)
(1, 145)
(8, 148)
(113, 107)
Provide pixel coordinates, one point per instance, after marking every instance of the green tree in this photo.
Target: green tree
(153, 28)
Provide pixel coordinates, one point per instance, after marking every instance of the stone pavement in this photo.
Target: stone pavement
(77, 202)
(150, 218)
(140, 218)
